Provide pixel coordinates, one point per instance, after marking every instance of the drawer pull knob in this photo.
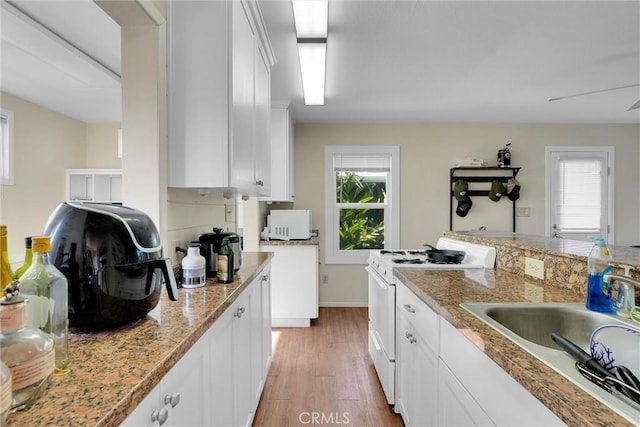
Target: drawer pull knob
(409, 308)
(172, 399)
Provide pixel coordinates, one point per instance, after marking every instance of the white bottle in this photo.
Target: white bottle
(193, 268)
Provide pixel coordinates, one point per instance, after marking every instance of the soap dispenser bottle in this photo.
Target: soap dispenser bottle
(599, 293)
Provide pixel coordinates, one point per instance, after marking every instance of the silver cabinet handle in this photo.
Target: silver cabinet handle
(265, 278)
(409, 308)
(239, 312)
(410, 337)
(161, 416)
(412, 340)
(172, 400)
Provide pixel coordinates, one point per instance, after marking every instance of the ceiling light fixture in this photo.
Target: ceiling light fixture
(311, 21)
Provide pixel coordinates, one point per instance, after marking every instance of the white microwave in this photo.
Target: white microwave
(286, 224)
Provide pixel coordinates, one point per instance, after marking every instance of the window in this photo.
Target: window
(6, 147)
(579, 192)
(362, 186)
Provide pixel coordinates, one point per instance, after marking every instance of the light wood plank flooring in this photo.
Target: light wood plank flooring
(323, 375)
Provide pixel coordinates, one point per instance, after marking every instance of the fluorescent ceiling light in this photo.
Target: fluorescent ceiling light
(311, 18)
(311, 21)
(313, 57)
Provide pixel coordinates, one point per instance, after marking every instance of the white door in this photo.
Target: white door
(579, 192)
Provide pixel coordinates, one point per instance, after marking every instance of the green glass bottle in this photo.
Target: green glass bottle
(225, 263)
(6, 275)
(28, 257)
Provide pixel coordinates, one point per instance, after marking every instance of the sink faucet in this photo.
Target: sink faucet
(626, 294)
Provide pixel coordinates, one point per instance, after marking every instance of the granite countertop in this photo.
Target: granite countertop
(444, 291)
(314, 241)
(113, 371)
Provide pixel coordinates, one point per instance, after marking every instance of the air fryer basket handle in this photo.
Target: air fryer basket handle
(164, 264)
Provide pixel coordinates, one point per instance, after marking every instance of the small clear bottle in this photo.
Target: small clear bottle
(47, 290)
(28, 258)
(5, 392)
(28, 352)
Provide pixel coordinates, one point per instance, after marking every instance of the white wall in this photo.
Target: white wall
(427, 153)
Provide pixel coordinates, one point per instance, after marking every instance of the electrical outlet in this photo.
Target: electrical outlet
(523, 212)
(325, 279)
(534, 267)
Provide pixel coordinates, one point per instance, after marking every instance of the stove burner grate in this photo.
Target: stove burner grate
(409, 261)
(387, 252)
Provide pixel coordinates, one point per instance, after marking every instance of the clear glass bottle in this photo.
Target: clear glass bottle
(47, 290)
(5, 392)
(28, 352)
(225, 263)
(28, 258)
(6, 275)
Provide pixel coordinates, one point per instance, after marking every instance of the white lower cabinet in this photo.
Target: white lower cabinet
(220, 379)
(178, 399)
(416, 360)
(443, 379)
(294, 284)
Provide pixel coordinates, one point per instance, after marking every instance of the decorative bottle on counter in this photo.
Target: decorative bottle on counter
(5, 392)
(28, 258)
(28, 352)
(6, 276)
(599, 294)
(225, 263)
(47, 290)
(193, 268)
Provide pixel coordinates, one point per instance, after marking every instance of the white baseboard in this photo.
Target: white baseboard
(344, 304)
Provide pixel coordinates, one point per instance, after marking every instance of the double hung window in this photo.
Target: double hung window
(361, 193)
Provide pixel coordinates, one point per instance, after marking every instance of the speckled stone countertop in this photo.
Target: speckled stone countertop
(444, 291)
(112, 371)
(309, 242)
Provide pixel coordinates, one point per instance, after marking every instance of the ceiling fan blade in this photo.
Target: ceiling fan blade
(635, 106)
(596, 91)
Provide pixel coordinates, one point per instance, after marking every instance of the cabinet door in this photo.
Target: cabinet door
(417, 377)
(294, 284)
(255, 313)
(188, 382)
(282, 167)
(266, 321)
(244, 396)
(242, 118)
(263, 123)
(222, 364)
(457, 407)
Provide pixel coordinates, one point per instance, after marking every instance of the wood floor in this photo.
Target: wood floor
(323, 375)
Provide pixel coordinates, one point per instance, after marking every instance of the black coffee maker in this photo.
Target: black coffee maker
(210, 244)
(112, 258)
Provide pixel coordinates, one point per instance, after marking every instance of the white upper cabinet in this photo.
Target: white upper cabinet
(219, 62)
(282, 142)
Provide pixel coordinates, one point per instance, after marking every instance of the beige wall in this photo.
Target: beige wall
(427, 153)
(45, 143)
(102, 146)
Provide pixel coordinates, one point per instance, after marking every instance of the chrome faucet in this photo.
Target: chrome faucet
(626, 294)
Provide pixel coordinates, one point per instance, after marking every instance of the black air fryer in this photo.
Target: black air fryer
(112, 258)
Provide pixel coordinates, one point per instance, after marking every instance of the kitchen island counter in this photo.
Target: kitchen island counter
(113, 371)
(444, 291)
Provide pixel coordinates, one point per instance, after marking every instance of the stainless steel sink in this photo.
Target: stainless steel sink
(530, 325)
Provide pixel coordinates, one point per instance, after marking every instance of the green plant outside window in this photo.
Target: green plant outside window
(361, 227)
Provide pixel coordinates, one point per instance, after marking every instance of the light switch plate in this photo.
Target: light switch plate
(534, 267)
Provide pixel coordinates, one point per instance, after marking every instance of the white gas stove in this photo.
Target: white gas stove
(477, 260)
(476, 257)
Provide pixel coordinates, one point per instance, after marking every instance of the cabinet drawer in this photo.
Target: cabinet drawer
(419, 315)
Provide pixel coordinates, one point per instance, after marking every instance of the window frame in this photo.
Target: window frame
(332, 253)
(7, 147)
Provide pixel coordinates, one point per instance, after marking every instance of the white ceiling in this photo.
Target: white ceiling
(389, 61)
